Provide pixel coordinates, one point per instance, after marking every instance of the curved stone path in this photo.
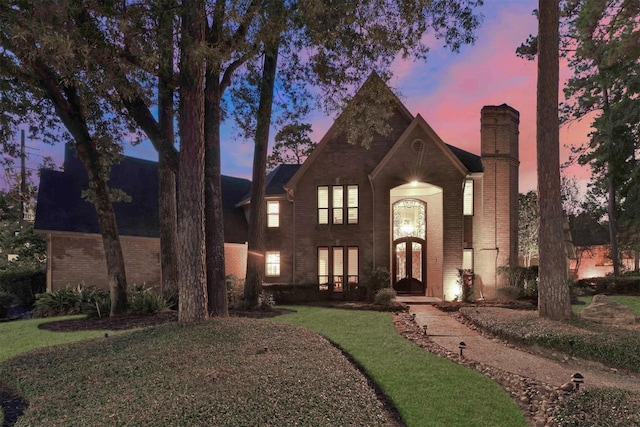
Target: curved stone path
(446, 331)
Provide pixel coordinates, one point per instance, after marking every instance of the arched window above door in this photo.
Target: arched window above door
(409, 219)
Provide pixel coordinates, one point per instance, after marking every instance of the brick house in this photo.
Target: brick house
(74, 246)
(412, 204)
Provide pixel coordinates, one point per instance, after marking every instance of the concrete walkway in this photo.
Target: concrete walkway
(446, 331)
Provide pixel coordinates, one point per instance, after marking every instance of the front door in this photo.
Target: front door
(409, 265)
(409, 246)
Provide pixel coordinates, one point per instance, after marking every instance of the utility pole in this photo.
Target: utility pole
(23, 179)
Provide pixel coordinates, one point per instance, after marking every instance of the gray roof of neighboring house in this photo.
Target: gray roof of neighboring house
(587, 231)
(61, 207)
(274, 182)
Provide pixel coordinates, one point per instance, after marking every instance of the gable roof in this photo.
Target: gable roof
(61, 206)
(373, 79)
(419, 122)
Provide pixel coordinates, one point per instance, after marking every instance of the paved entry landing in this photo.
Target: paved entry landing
(447, 332)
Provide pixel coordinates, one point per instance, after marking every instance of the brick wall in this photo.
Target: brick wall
(77, 257)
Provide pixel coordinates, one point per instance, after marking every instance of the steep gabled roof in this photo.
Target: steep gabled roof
(419, 122)
(471, 161)
(373, 79)
(61, 206)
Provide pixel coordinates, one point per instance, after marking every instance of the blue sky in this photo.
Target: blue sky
(448, 90)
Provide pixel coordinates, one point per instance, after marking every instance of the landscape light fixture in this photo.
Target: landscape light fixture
(577, 379)
(462, 346)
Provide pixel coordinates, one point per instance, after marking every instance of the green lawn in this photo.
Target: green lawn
(426, 389)
(631, 301)
(22, 335)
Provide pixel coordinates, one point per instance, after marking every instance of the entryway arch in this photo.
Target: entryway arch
(416, 238)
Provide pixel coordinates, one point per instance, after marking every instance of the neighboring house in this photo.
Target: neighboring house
(593, 249)
(409, 203)
(74, 244)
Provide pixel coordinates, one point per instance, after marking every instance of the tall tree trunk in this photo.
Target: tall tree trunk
(166, 178)
(611, 202)
(192, 295)
(214, 221)
(256, 250)
(553, 291)
(69, 108)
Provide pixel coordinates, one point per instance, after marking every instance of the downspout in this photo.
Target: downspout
(373, 222)
(291, 199)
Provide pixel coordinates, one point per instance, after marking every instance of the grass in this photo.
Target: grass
(631, 301)
(23, 335)
(426, 390)
(221, 372)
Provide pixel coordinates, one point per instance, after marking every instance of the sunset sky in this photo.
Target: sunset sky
(448, 90)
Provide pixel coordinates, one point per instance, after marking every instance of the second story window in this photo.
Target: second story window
(273, 213)
(335, 204)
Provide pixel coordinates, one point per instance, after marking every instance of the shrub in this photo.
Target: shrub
(235, 288)
(523, 279)
(295, 293)
(609, 285)
(143, 300)
(77, 299)
(6, 301)
(266, 301)
(24, 285)
(375, 280)
(385, 297)
(465, 281)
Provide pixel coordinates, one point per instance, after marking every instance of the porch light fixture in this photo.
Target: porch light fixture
(462, 346)
(577, 379)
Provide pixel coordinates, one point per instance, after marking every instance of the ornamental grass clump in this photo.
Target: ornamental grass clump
(385, 297)
(143, 300)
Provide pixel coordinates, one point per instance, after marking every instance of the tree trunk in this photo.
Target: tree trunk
(166, 177)
(613, 227)
(257, 216)
(553, 291)
(192, 295)
(214, 221)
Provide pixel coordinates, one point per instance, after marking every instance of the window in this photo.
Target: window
(467, 259)
(273, 213)
(352, 263)
(339, 203)
(352, 204)
(323, 205)
(468, 197)
(272, 267)
(338, 268)
(323, 267)
(332, 268)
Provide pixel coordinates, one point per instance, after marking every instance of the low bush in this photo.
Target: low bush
(599, 407)
(143, 300)
(385, 297)
(523, 279)
(629, 285)
(295, 293)
(6, 301)
(24, 285)
(375, 280)
(266, 301)
(235, 288)
(58, 303)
